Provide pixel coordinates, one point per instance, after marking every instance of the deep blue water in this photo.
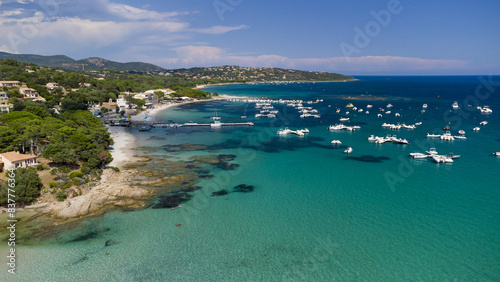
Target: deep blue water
(315, 214)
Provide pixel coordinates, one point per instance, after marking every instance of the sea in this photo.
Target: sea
(299, 208)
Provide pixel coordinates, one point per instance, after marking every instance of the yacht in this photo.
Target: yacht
(284, 131)
(400, 141)
(337, 127)
(432, 151)
(486, 110)
(441, 159)
(455, 105)
(476, 128)
(336, 142)
(419, 155)
(373, 138)
(348, 150)
(409, 126)
(483, 123)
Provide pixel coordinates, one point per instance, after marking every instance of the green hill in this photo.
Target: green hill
(93, 63)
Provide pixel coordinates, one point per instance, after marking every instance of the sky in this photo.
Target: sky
(363, 37)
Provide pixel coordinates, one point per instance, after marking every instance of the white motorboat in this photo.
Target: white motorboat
(400, 141)
(483, 123)
(424, 106)
(336, 142)
(409, 126)
(397, 115)
(379, 115)
(419, 155)
(452, 156)
(388, 112)
(441, 159)
(343, 119)
(486, 110)
(368, 106)
(455, 105)
(367, 112)
(337, 127)
(348, 150)
(418, 123)
(389, 106)
(216, 123)
(385, 124)
(433, 135)
(496, 154)
(305, 130)
(461, 132)
(460, 137)
(373, 138)
(476, 128)
(432, 151)
(284, 131)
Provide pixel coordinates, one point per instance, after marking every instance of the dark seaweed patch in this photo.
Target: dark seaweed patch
(220, 192)
(368, 159)
(172, 200)
(243, 188)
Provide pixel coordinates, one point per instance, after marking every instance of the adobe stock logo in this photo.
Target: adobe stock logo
(363, 37)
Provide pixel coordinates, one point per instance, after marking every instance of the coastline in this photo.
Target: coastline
(202, 86)
(114, 189)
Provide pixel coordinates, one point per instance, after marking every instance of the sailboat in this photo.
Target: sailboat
(216, 117)
(244, 113)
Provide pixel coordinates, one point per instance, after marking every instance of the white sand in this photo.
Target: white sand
(124, 146)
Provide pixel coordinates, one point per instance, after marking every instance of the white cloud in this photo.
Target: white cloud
(219, 29)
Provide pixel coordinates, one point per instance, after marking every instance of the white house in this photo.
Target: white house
(4, 102)
(10, 83)
(15, 160)
(52, 85)
(30, 93)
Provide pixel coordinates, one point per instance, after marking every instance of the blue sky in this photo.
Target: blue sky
(352, 37)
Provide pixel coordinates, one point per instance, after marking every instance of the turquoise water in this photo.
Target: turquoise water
(315, 214)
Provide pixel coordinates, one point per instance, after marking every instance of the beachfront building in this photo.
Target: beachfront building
(151, 99)
(15, 160)
(110, 105)
(122, 104)
(10, 83)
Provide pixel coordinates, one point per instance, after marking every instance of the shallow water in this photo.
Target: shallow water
(315, 213)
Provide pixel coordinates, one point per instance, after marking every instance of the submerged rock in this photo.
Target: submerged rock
(172, 200)
(243, 188)
(110, 242)
(207, 176)
(220, 193)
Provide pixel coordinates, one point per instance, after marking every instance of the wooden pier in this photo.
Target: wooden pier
(161, 124)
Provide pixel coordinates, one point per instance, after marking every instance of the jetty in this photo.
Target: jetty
(162, 124)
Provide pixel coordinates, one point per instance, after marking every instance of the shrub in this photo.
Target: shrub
(115, 169)
(66, 186)
(76, 174)
(61, 196)
(39, 167)
(52, 184)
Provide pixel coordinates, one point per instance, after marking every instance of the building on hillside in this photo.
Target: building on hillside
(15, 160)
(52, 85)
(4, 103)
(30, 93)
(10, 83)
